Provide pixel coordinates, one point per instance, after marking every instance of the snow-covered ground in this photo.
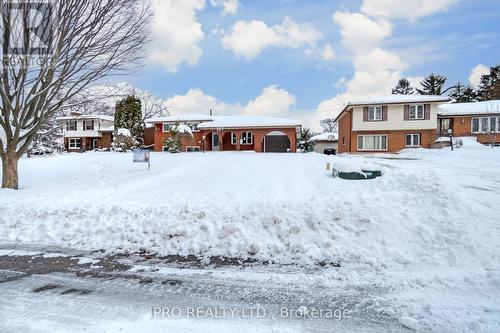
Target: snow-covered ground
(426, 232)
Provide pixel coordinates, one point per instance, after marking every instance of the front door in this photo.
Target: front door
(94, 144)
(215, 141)
(445, 125)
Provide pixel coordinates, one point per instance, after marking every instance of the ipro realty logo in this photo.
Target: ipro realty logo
(28, 27)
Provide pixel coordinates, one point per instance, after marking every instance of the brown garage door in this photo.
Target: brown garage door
(276, 144)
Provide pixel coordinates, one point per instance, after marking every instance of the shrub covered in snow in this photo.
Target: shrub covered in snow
(123, 140)
(173, 143)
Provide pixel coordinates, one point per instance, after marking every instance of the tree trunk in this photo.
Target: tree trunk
(10, 177)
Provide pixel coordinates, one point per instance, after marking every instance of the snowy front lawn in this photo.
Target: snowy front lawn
(440, 208)
(425, 234)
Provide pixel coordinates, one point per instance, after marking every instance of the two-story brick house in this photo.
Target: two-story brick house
(389, 124)
(87, 132)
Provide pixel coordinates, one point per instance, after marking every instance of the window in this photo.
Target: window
(412, 140)
(71, 125)
(343, 141)
(486, 125)
(192, 149)
(374, 113)
(416, 112)
(246, 138)
(75, 143)
(475, 125)
(166, 127)
(493, 124)
(372, 142)
(88, 125)
(233, 138)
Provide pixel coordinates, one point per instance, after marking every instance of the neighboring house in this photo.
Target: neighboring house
(87, 132)
(389, 124)
(478, 119)
(325, 141)
(227, 133)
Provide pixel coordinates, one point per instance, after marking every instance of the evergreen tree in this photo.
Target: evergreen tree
(128, 114)
(48, 139)
(305, 143)
(489, 87)
(463, 94)
(433, 85)
(403, 87)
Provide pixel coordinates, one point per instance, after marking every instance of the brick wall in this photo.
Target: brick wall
(396, 139)
(225, 138)
(345, 133)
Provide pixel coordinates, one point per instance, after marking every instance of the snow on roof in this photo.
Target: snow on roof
(394, 99)
(325, 137)
(397, 99)
(486, 107)
(184, 129)
(179, 118)
(87, 116)
(248, 121)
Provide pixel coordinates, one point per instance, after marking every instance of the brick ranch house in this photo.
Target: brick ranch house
(478, 119)
(87, 132)
(389, 124)
(227, 133)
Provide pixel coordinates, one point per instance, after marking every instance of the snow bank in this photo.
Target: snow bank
(235, 205)
(183, 129)
(124, 132)
(430, 225)
(354, 164)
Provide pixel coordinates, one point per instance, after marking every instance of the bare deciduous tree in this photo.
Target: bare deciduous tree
(51, 51)
(329, 125)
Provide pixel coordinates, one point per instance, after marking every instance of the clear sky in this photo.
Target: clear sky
(304, 58)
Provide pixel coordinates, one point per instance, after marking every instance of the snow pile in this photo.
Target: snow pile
(426, 234)
(234, 205)
(124, 132)
(354, 164)
(183, 129)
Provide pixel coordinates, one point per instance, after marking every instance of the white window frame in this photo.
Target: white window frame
(72, 143)
(373, 111)
(415, 108)
(413, 136)
(481, 128)
(495, 128)
(72, 122)
(478, 125)
(188, 148)
(85, 122)
(234, 138)
(249, 138)
(374, 149)
(166, 125)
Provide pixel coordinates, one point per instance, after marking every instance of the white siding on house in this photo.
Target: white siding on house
(80, 132)
(320, 146)
(395, 120)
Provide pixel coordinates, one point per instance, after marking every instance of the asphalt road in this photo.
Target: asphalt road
(57, 290)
